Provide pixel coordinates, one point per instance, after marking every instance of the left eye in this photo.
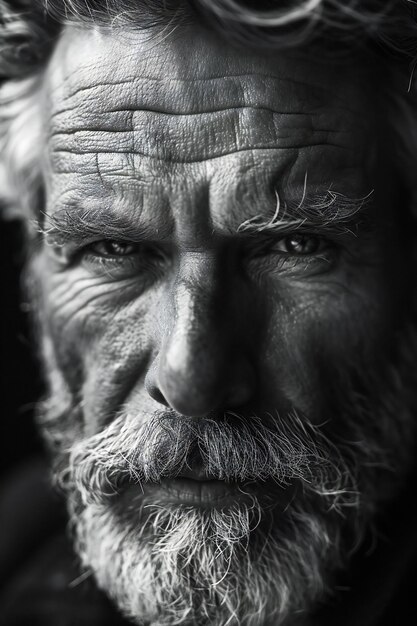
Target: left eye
(108, 248)
(299, 244)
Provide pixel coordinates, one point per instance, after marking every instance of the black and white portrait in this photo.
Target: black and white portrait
(216, 203)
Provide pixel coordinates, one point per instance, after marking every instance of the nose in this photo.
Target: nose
(201, 365)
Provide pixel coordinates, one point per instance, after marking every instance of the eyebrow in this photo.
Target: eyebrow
(79, 225)
(331, 212)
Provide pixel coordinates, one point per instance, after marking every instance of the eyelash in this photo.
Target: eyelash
(144, 260)
(149, 261)
(108, 242)
(289, 240)
(273, 245)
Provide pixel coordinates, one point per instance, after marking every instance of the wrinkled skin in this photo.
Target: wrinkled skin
(202, 321)
(153, 294)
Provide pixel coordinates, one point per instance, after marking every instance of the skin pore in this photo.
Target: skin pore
(219, 248)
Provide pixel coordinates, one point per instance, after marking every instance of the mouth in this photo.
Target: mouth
(196, 488)
(197, 491)
(193, 486)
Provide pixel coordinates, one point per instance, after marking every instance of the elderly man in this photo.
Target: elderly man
(219, 203)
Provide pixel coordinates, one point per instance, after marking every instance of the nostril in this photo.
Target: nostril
(153, 389)
(157, 395)
(196, 393)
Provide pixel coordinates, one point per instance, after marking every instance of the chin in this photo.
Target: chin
(188, 565)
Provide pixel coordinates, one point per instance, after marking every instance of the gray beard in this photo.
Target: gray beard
(250, 562)
(247, 563)
(183, 565)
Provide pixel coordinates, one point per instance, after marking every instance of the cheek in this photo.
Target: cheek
(317, 334)
(102, 335)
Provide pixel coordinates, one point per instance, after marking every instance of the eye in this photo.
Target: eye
(294, 255)
(299, 244)
(120, 259)
(109, 248)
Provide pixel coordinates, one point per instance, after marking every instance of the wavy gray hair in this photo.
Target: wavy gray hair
(29, 29)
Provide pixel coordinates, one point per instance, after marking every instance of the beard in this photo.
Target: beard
(252, 561)
(261, 559)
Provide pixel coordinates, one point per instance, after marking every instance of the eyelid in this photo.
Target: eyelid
(322, 244)
(145, 251)
(267, 243)
(72, 248)
(136, 248)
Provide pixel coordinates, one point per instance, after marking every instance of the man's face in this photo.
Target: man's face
(220, 287)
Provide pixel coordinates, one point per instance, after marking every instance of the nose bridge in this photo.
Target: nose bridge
(195, 349)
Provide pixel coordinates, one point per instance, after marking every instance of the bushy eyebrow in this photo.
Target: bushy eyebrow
(330, 213)
(77, 224)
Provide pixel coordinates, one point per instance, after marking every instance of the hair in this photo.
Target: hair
(30, 28)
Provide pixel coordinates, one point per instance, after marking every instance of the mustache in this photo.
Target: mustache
(232, 448)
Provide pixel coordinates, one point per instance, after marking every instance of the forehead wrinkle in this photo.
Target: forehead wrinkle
(123, 129)
(188, 133)
(185, 139)
(126, 166)
(195, 96)
(127, 114)
(194, 118)
(145, 121)
(58, 156)
(247, 79)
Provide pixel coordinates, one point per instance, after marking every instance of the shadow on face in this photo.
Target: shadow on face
(222, 249)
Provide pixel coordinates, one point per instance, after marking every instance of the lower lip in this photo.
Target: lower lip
(195, 492)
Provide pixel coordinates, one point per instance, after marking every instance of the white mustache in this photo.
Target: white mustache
(232, 448)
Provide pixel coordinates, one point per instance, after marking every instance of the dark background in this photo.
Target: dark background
(20, 376)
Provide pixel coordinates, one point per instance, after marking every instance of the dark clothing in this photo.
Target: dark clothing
(41, 584)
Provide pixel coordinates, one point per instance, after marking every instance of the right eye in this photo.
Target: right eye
(124, 259)
(112, 248)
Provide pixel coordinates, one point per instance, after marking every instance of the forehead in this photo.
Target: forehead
(160, 121)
